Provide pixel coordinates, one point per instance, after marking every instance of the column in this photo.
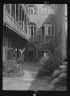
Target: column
(15, 12)
(5, 49)
(18, 11)
(24, 20)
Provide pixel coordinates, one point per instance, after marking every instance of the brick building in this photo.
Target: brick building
(41, 31)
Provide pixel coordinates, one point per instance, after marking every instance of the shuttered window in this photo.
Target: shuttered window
(43, 30)
(46, 30)
(49, 31)
(22, 15)
(31, 30)
(34, 30)
(17, 12)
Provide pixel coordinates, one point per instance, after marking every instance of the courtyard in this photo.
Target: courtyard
(28, 81)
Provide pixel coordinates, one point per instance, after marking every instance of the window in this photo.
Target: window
(45, 10)
(25, 23)
(35, 10)
(17, 12)
(32, 30)
(29, 10)
(50, 30)
(32, 10)
(22, 15)
(25, 19)
(7, 7)
(13, 11)
(29, 30)
(48, 9)
(43, 30)
(47, 30)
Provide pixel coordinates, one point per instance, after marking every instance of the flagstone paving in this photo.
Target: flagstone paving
(28, 81)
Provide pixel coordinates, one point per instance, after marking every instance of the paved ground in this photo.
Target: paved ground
(28, 81)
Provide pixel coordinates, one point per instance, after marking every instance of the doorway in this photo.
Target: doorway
(30, 55)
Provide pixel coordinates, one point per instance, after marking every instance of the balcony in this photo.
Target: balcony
(16, 27)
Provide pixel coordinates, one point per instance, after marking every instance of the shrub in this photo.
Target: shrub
(41, 61)
(61, 84)
(11, 67)
(50, 65)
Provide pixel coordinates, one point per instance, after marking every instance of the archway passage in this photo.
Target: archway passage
(30, 53)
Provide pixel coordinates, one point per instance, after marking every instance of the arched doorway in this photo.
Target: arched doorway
(30, 53)
(46, 49)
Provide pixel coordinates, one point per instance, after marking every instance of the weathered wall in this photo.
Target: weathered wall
(60, 34)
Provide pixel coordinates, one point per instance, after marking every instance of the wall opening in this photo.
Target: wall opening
(30, 53)
(47, 49)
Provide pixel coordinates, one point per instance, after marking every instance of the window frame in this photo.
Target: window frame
(29, 30)
(34, 28)
(51, 28)
(43, 30)
(32, 10)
